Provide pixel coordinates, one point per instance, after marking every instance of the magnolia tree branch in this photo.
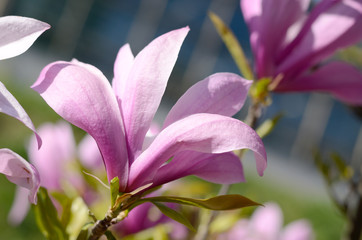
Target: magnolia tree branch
(101, 226)
(114, 215)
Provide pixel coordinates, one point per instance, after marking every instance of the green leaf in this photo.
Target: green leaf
(114, 189)
(233, 46)
(78, 217)
(47, 217)
(75, 213)
(268, 125)
(109, 235)
(260, 90)
(169, 212)
(84, 234)
(223, 202)
(66, 204)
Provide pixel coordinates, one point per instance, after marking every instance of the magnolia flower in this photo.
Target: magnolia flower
(17, 34)
(266, 224)
(289, 45)
(55, 163)
(197, 135)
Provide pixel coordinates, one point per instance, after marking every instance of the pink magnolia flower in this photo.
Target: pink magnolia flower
(55, 163)
(266, 224)
(17, 34)
(289, 44)
(198, 133)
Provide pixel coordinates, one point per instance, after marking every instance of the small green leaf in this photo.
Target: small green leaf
(84, 234)
(260, 90)
(114, 189)
(268, 125)
(109, 235)
(169, 212)
(222, 202)
(47, 217)
(78, 217)
(233, 46)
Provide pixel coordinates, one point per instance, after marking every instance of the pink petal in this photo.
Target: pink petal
(208, 133)
(20, 206)
(89, 154)
(17, 34)
(57, 152)
(122, 68)
(335, 25)
(223, 168)
(10, 106)
(82, 95)
(19, 171)
(146, 84)
(220, 93)
(298, 230)
(340, 79)
(268, 26)
(266, 222)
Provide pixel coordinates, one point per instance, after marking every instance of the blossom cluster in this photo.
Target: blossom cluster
(291, 47)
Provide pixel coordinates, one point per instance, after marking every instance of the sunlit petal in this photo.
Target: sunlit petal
(17, 34)
(83, 96)
(220, 93)
(207, 133)
(146, 84)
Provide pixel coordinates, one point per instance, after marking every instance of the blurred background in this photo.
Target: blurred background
(92, 31)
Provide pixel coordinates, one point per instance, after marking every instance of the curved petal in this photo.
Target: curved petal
(57, 151)
(146, 84)
(297, 230)
(82, 95)
(17, 170)
(10, 106)
(223, 168)
(122, 68)
(337, 26)
(340, 79)
(268, 26)
(89, 154)
(17, 34)
(208, 133)
(20, 206)
(267, 221)
(220, 93)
